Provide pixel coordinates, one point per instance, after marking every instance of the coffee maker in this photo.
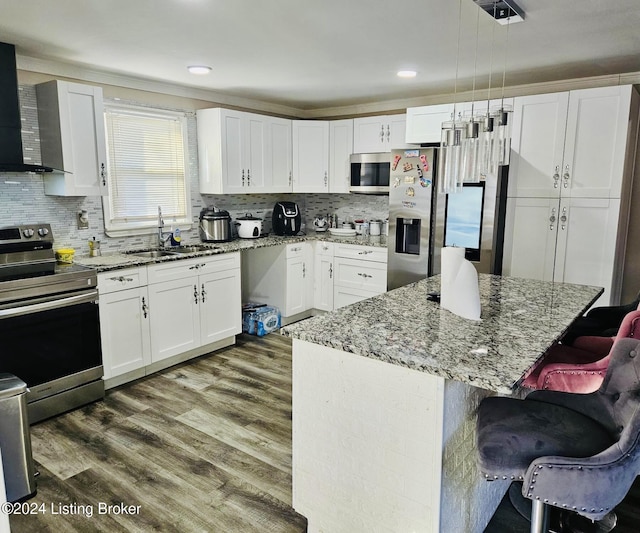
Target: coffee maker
(286, 219)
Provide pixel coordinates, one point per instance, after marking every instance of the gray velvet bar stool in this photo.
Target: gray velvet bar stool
(577, 452)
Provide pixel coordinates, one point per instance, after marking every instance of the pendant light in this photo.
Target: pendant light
(503, 116)
(473, 147)
(450, 177)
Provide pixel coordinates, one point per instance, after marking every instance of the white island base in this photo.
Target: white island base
(380, 447)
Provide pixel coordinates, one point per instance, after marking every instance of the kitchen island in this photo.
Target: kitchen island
(384, 399)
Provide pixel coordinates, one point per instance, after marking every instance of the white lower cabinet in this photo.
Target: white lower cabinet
(360, 272)
(175, 309)
(281, 276)
(193, 302)
(323, 276)
(572, 241)
(124, 321)
(175, 317)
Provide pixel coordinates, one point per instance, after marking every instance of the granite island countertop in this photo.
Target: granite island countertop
(127, 259)
(520, 320)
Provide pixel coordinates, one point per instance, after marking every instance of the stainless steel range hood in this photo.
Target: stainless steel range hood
(11, 157)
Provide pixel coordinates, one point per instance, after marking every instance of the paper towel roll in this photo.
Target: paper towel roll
(459, 290)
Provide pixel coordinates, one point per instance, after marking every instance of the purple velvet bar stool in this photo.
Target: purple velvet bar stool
(579, 453)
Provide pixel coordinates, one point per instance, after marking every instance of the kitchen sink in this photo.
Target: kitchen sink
(175, 251)
(193, 249)
(152, 253)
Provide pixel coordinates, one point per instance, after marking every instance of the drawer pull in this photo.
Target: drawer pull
(362, 274)
(365, 252)
(121, 279)
(296, 249)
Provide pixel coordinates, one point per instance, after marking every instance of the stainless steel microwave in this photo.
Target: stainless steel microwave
(370, 173)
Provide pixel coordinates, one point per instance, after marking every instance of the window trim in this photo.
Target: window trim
(150, 227)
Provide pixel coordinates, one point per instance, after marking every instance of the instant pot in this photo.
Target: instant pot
(215, 225)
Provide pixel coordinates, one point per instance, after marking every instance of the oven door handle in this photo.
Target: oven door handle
(50, 303)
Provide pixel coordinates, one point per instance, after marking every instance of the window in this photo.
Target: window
(147, 168)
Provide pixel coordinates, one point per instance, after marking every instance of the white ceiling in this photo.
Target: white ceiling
(327, 53)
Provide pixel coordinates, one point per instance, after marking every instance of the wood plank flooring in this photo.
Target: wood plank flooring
(203, 446)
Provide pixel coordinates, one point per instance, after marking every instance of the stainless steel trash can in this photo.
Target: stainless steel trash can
(15, 439)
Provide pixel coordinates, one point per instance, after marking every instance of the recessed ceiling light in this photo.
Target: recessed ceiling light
(407, 73)
(199, 69)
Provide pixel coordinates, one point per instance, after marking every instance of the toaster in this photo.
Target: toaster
(286, 219)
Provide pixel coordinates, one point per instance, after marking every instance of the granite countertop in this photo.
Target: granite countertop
(520, 320)
(114, 261)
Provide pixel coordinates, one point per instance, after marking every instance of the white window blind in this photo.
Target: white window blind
(147, 168)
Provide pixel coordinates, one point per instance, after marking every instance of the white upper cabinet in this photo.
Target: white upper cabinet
(379, 134)
(570, 144)
(424, 123)
(281, 155)
(72, 138)
(310, 156)
(340, 150)
(242, 152)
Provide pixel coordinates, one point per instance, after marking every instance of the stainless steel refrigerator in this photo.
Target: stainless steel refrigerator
(421, 221)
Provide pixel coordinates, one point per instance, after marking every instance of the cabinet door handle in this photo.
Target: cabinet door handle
(565, 177)
(145, 308)
(325, 178)
(290, 178)
(382, 133)
(552, 219)
(563, 218)
(362, 274)
(304, 270)
(556, 177)
(248, 178)
(103, 175)
(330, 271)
(388, 133)
(243, 177)
(195, 293)
(203, 292)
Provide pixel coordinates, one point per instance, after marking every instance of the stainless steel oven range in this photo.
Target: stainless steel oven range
(49, 323)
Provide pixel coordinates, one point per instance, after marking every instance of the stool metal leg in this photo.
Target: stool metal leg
(539, 517)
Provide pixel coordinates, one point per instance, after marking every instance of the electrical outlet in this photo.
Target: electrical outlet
(83, 220)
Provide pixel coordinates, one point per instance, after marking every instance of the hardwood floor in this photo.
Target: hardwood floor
(203, 446)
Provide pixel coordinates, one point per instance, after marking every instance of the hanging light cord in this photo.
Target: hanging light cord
(493, 33)
(504, 68)
(455, 83)
(475, 66)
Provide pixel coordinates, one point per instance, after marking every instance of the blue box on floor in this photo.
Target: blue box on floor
(260, 319)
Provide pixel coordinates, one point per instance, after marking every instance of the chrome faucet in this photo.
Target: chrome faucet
(163, 236)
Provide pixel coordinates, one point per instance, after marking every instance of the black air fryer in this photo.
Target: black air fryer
(286, 218)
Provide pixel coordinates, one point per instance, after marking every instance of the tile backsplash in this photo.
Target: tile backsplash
(22, 198)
